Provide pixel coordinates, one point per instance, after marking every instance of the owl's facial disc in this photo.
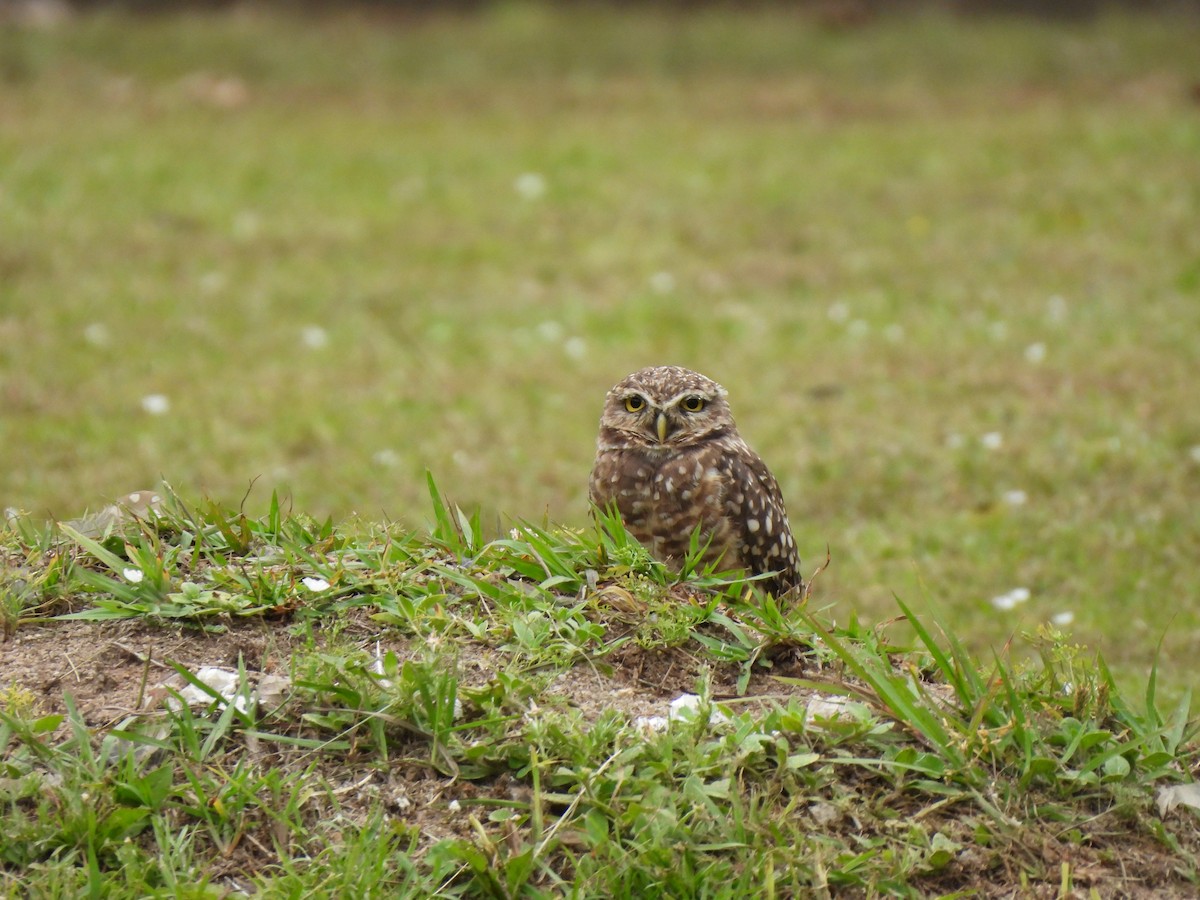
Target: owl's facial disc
(660, 420)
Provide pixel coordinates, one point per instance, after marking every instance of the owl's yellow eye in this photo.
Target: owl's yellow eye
(634, 403)
(693, 404)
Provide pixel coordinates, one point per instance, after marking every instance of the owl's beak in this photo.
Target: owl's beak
(661, 424)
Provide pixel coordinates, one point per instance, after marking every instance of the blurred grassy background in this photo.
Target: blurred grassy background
(949, 271)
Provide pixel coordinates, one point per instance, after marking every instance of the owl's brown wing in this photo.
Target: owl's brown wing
(761, 520)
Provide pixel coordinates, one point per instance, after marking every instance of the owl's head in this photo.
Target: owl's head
(665, 406)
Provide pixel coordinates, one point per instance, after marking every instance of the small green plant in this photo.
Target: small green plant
(18, 701)
(457, 532)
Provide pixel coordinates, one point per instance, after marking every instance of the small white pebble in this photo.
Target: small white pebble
(132, 575)
(454, 806)
(1035, 353)
(314, 337)
(156, 404)
(530, 185)
(684, 703)
(1066, 617)
(993, 440)
(316, 584)
(830, 707)
(1015, 497)
(686, 706)
(650, 723)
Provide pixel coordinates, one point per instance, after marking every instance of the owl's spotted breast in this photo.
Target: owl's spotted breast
(670, 460)
(663, 500)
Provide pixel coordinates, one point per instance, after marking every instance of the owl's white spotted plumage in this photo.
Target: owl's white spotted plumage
(670, 460)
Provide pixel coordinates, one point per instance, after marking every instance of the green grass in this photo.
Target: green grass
(887, 243)
(464, 761)
(865, 233)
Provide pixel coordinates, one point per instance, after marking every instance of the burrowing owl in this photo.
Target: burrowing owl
(670, 458)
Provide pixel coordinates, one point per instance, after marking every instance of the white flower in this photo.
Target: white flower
(1061, 619)
(316, 584)
(246, 224)
(662, 282)
(211, 282)
(314, 337)
(1003, 602)
(838, 312)
(575, 347)
(156, 404)
(1012, 599)
(993, 440)
(1035, 353)
(1015, 497)
(132, 575)
(96, 334)
(530, 185)
(387, 458)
